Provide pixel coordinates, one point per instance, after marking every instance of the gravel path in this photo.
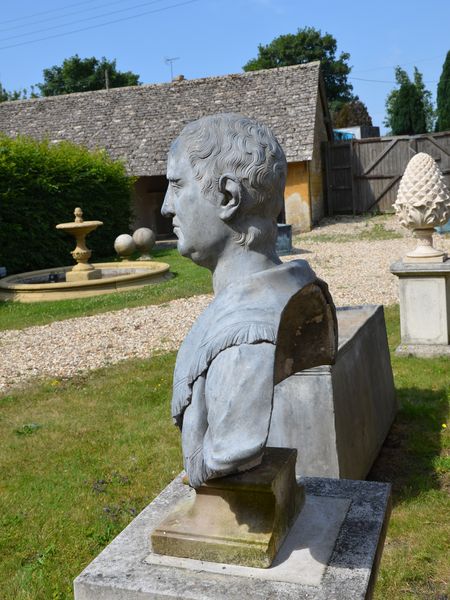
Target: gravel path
(357, 272)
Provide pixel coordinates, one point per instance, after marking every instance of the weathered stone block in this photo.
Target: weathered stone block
(240, 519)
(338, 416)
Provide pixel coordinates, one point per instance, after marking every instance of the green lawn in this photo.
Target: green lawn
(80, 458)
(188, 280)
(416, 460)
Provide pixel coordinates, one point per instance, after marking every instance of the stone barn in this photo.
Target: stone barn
(137, 125)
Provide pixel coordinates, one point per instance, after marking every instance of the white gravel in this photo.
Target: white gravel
(357, 272)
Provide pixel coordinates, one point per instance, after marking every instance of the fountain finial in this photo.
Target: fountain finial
(78, 215)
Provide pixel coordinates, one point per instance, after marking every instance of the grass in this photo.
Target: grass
(80, 458)
(188, 280)
(416, 460)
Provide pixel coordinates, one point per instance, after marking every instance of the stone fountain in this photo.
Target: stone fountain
(83, 270)
(84, 279)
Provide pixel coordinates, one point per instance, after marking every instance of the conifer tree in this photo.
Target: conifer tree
(443, 98)
(408, 106)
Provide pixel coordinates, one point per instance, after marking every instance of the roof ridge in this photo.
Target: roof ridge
(260, 72)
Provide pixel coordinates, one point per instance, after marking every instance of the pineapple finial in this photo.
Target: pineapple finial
(423, 202)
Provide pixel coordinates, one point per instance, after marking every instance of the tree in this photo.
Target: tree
(84, 75)
(6, 96)
(408, 115)
(409, 109)
(430, 114)
(352, 113)
(443, 97)
(308, 45)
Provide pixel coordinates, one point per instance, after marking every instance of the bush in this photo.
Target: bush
(40, 185)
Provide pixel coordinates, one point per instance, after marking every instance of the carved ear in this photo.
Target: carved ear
(231, 189)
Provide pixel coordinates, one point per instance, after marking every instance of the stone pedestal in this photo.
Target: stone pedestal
(284, 239)
(240, 519)
(424, 308)
(332, 551)
(85, 275)
(338, 416)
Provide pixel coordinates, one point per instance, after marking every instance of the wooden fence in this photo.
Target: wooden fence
(364, 175)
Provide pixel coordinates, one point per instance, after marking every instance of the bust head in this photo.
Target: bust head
(226, 178)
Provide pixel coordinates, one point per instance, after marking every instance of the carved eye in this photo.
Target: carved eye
(175, 186)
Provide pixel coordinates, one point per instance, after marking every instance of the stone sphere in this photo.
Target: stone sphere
(124, 245)
(144, 238)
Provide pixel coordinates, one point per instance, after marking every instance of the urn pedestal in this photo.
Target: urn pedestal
(424, 290)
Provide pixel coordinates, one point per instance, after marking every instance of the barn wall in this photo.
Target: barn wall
(316, 167)
(297, 198)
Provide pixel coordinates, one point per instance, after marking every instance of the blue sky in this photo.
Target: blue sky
(215, 37)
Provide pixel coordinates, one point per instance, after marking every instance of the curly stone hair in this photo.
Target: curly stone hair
(231, 143)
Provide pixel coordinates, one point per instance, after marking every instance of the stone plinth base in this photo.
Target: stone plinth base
(423, 350)
(338, 416)
(87, 275)
(240, 519)
(332, 551)
(424, 306)
(430, 260)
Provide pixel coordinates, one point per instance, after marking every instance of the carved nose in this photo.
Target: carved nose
(167, 207)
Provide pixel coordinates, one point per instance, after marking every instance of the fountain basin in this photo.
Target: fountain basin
(50, 284)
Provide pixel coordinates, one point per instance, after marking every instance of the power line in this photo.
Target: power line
(46, 12)
(57, 35)
(106, 14)
(388, 81)
(69, 14)
(372, 80)
(394, 66)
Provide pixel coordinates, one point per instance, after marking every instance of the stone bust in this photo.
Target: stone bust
(226, 177)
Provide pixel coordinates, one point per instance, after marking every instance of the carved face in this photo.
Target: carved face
(200, 231)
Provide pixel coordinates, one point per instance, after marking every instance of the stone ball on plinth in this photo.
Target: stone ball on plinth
(124, 245)
(145, 239)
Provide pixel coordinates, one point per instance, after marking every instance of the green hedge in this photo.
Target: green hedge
(40, 185)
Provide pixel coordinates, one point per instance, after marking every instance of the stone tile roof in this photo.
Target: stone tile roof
(138, 123)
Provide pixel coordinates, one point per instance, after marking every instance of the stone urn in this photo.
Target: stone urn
(423, 202)
(79, 229)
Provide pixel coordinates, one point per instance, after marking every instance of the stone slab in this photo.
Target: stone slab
(423, 350)
(350, 517)
(338, 416)
(240, 519)
(402, 269)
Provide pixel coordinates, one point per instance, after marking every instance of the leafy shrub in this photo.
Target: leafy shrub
(40, 185)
